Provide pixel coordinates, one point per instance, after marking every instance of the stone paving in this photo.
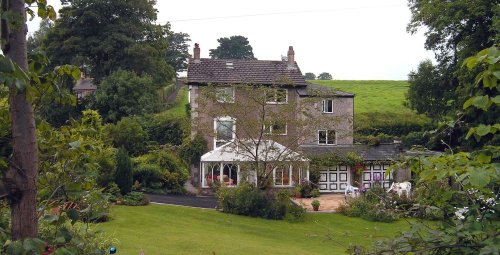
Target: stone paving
(328, 202)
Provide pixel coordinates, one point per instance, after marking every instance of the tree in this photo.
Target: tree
(426, 91)
(124, 93)
(178, 50)
(310, 76)
(454, 30)
(234, 47)
(103, 36)
(124, 177)
(35, 41)
(324, 76)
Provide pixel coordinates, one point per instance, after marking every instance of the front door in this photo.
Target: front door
(334, 179)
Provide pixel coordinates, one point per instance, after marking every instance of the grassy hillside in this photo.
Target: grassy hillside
(163, 229)
(378, 103)
(178, 109)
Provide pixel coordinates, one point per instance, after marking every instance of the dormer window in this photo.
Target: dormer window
(225, 95)
(328, 106)
(277, 96)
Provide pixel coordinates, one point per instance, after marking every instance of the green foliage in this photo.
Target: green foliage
(129, 134)
(373, 205)
(106, 161)
(68, 156)
(192, 150)
(428, 93)
(246, 199)
(324, 76)
(125, 93)
(164, 129)
(123, 177)
(309, 76)
(315, 203)
(234, 47)
(315, 193)
(110, 36)
(178, 51)
(161, 171)
(135, 198)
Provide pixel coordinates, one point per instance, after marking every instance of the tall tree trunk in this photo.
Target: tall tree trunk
(23, 170)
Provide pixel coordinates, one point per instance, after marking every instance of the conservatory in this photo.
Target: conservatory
(251, 161)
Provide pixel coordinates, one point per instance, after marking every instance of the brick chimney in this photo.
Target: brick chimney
(291, 56)
(196, 53)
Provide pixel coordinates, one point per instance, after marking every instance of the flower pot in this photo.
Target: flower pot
(316, 208)
(297, 195)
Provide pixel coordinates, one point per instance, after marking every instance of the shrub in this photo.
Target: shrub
(161, 172)
(192, 150)
(113, 192)
(123, 176)
(128, 133)
(165, 129)
(373, 205)
(135, 198)
(315, 193)
(248, 200)
(305, 188)
(95, 207)
(106, 161)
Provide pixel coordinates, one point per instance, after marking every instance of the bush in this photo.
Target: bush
(95, 207)
(192, 150)
(106, 161)
(164, 129)
(135, 198)
(123, 176)
(248, 200)
(128, 133)
(305, 188)
(373, 205)
(161, 172)
(315, 193)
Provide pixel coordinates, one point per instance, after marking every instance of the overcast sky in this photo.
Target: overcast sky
(352, 40)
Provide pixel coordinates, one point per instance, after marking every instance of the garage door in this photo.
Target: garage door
(375, 173)
(334, 179)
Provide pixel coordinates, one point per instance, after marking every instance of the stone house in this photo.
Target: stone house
(84, 87)
(331, 111)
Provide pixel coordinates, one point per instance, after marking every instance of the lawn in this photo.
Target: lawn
(377, 102)
(164, 229)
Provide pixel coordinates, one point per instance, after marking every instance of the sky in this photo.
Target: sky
(351, 40)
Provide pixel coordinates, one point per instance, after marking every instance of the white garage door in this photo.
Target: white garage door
(334, 179)
(375, 173)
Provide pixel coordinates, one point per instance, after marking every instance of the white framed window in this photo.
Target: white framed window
(327, 137)
(225, 130)
(328, 106)
(277, 96)
(282, 176)
(225, 94)
(275, 128)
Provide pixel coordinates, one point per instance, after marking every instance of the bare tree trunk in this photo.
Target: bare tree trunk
(22, 175)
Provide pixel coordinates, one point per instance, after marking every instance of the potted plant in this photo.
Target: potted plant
(315, 204)
(297, 192)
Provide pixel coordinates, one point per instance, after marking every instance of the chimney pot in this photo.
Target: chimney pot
(291, 56)
(196, 53)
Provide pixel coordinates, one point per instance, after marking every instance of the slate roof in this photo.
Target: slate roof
(265, 72)
(382, 152)
(84, 84)
(315, 89)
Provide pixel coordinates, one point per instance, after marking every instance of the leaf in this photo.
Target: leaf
(34, 245)
(496, 100)
(483, 158)
(6, 65)
(478, 178)
(497, 73)
(50, 218)
(483, 130)
(468, 103)
(73, 215)
(471, 132)
(481, 102)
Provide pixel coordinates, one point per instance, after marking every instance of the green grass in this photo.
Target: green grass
(163, 229)
(378, 102)
(178, 109)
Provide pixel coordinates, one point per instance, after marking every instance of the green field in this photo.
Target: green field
(164, 229)
(377, 102)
